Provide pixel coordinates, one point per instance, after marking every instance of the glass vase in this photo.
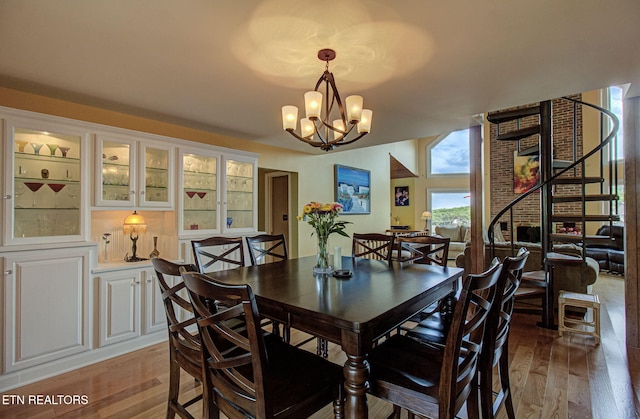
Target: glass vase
(322, 257)
(154, 253)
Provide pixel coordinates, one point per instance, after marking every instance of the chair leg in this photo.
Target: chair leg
(486, 392)
(174, 385)
(473, 410)
(505, 383)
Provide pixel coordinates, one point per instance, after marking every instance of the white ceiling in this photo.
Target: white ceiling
(424, 67)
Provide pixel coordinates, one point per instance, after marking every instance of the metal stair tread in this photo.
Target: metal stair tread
(561, 164)
(576, 180)
(506, 116)
(578, 217)
(519, 134)
(589, 198)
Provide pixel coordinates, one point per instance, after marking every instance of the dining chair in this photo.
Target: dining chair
(216, 253)
(430, 382)
(266, 248)
(184, 344)
(250, 374)
(426, 249)
(372, 246)
(495, 353)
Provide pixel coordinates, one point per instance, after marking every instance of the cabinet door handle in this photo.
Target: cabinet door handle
(141, 192)
(7, 197)
(132, 192)
(8, 272)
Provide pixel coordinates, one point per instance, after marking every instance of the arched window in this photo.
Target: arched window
(450, 155)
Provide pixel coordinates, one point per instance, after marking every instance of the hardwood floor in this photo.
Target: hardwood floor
(551, 376)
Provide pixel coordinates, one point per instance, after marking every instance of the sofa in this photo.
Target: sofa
(610, 256)
(568, 278)
(458, 236)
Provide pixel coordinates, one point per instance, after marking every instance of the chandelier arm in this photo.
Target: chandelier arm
(338, 142)
(323, 139)
(344, 132)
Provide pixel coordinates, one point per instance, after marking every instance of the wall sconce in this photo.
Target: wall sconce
(133, 225)
(426, 216)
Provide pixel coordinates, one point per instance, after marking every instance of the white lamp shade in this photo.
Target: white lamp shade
(426, 215)
(339, 125)
(354, 108)
(313, 104)
(289, 117)
(307, 128)
(365, 121)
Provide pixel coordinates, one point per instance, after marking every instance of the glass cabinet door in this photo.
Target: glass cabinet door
(240, 197)
(155, 185)
(114, 185)
(123, 180)
(200, 202)
(45, 193)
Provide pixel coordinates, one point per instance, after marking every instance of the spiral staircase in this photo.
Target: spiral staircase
(576, 192)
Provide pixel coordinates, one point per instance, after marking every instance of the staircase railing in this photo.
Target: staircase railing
(581, 162)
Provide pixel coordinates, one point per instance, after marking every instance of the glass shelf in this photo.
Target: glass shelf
(39, 157)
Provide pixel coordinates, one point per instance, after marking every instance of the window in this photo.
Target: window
(450, 207)
(450, 155)
(615, 106)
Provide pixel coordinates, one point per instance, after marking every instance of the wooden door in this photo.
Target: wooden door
(280, 205)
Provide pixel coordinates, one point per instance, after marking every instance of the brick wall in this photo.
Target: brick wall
(527, 212)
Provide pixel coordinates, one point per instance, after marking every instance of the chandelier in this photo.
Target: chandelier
(319, 128)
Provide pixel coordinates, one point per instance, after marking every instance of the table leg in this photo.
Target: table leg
(356, 374)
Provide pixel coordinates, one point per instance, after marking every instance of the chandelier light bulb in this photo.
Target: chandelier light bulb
(354, 108)
(313, 104)
(307, 128)
(338, 125)
(364, 126)
(289, 117)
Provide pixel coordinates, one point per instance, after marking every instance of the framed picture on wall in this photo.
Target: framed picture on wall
(526, 172)
(353, 189)
(402, 196)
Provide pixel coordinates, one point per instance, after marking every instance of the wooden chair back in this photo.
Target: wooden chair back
(459, 373)
(218, 253)
(267, 248)
(184, 340)
(247, 372)
(232, 358)
(426, 249)
(372, 246)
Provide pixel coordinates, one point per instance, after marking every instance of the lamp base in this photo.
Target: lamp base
(133, 259)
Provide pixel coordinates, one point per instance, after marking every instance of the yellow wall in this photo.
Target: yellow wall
(315, 172)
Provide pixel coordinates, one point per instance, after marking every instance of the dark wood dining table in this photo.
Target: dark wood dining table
(351, 312)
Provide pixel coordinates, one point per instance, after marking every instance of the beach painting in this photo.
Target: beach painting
(352, 189)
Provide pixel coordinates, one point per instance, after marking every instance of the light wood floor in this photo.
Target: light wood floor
(552, 376)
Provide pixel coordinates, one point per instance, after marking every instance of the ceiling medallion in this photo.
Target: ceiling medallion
(316, 128)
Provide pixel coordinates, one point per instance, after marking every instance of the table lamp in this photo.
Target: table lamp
(426, 216)
(134, 224)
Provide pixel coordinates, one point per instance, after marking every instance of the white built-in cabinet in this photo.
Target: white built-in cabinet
(46, 304)
(130, 304)
(60, 308)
